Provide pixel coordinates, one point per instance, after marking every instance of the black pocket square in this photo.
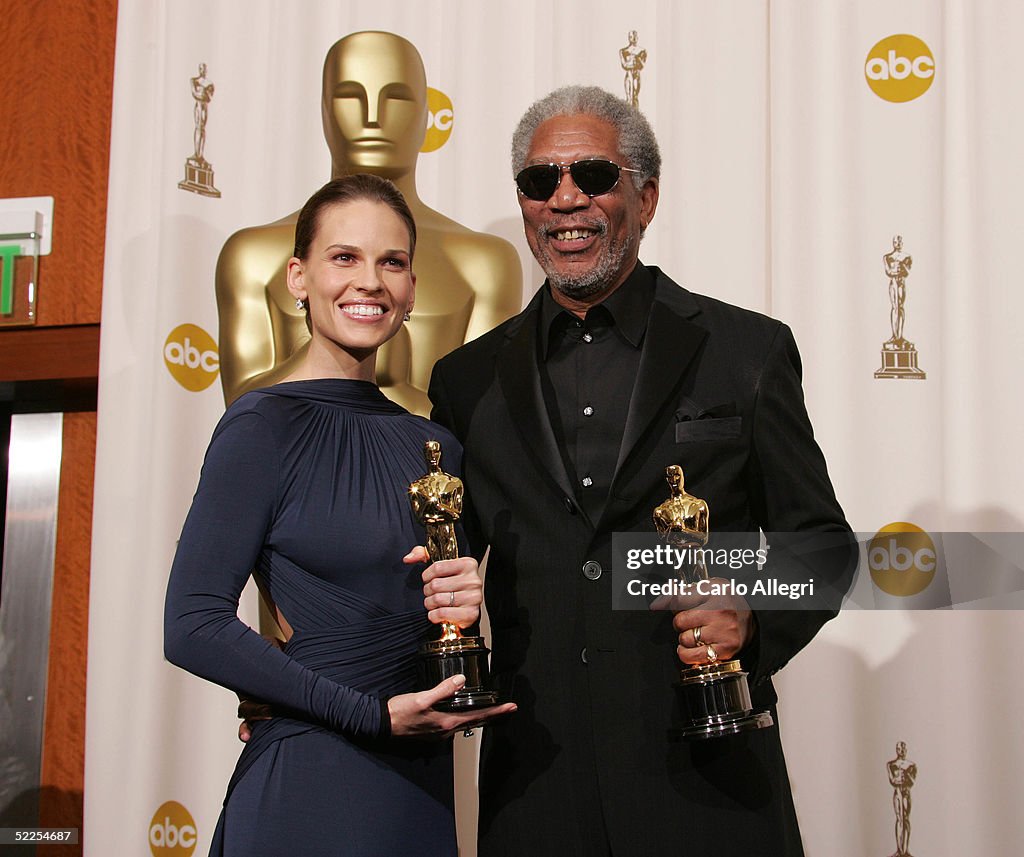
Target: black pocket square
(708, 429)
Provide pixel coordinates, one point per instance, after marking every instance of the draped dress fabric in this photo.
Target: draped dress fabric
(304, 484)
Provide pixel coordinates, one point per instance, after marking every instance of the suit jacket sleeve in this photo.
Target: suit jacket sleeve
(790, 493)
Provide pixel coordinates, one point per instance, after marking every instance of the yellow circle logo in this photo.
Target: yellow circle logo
(440, 118)
(172, 832)
(190, 354)
(902, 559)
(900, 68)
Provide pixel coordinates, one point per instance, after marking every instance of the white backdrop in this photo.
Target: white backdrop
(785, 179)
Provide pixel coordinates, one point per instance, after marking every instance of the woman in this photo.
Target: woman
(304, 485)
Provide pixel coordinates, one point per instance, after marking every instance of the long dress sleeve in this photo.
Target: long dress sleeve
(226, 528)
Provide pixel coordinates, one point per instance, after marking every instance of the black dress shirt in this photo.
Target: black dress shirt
(588, 368)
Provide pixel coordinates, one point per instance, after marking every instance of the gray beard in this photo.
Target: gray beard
(597, 279)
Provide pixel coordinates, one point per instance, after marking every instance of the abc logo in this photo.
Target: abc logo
(902, 559)
(440, 118)
(900, 68)
(190, 355)
(172, 832)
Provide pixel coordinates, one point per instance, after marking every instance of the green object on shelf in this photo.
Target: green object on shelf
(8, 253)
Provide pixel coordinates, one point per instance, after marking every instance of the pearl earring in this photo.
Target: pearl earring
(299, 303)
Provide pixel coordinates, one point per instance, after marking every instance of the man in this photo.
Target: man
(569, 413)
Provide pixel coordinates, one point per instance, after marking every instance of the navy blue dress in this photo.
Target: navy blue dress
(304, 484)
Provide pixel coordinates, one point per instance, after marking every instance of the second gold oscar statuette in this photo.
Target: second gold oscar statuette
(714, 697)
(436, 501)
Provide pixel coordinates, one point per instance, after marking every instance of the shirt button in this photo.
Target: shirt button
(583, 654)
(588, 337)
(592, 570)
(587, 481)
(588, 411)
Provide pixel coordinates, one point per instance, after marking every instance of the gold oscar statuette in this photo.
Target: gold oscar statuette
(902, 775)
(437, 504)
(198, 170)
(632, 59)
(899, 355)
(714, 697)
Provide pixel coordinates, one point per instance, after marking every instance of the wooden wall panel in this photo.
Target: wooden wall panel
(48, 353)
(56, 83)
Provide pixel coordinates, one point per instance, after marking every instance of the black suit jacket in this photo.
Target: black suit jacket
(718, 392)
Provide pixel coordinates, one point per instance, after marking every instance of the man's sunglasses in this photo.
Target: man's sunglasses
(593, 177)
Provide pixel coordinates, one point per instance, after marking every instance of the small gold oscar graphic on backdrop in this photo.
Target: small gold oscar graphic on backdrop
(632, 59)
(899, 356)
(199, 171)
(902, 774)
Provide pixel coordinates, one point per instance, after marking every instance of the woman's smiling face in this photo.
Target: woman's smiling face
(357, 277)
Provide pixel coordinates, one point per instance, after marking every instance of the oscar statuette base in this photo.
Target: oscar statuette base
(441, 659)
(199, 178)
(715, 701)
(899, 360)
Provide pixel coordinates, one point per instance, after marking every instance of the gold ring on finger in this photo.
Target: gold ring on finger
(696, 635)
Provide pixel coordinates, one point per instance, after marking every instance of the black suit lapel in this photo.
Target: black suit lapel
(671, 343)
(520, 384)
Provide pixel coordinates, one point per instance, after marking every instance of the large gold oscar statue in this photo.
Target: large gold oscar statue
(375, 118)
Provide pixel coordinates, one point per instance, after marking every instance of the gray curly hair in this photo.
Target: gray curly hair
(636, 137)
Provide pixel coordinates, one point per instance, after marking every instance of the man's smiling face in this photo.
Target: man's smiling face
(587, 246)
